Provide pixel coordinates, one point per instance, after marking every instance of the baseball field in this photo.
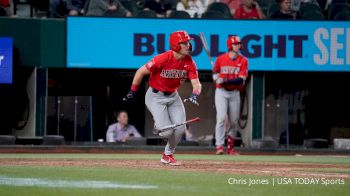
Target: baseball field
(143, 174)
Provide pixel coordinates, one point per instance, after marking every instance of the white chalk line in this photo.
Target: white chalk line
(42, 182)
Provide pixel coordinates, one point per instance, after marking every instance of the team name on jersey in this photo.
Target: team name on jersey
(229, 70)
(173, 73)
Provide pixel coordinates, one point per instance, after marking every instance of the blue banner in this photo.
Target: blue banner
(128, 43)
(6, 60)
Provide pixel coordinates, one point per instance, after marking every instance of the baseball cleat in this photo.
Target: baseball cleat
(219, 150)
(169, 159)
(232, 152)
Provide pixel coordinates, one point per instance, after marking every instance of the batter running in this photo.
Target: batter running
(229, 74)
(167, 71)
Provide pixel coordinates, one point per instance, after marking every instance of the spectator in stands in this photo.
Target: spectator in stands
(285, 12)
(101, 7)
(75, 7)
(232, 4)
(162, 9)
(121, 131)
(194, 7)
(249, 9)
(5, 8)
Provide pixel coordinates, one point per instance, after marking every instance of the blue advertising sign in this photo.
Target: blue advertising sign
(6, 60)
(269, 45)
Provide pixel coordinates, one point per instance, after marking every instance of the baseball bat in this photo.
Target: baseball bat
(170, 127)
(206, 48)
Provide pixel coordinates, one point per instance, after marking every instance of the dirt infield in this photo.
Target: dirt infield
(227, 167)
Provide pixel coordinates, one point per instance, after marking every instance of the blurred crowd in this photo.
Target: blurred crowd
(216, 9)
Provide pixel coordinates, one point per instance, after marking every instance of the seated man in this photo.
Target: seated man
(121, 131)
(285, 12)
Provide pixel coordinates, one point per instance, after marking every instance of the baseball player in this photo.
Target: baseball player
(167, 71)
(229, 74)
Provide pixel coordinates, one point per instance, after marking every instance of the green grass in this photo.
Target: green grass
(248, 158)
(169, 182)
(330, 170)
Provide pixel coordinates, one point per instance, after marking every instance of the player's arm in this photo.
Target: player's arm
(216, 72)
(197, 86)
(140, 73)
(236, 81)
(242, 75)
(197, 89)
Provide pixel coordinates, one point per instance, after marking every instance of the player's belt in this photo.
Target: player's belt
(163, 92)
(230, 89)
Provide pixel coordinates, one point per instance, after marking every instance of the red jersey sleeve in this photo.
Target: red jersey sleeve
(157, 62)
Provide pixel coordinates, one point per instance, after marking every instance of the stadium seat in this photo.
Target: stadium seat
(339, 1)
(315, 143)
(344, 15)
(179, 14)
(7, 139)
(113, 13)
(309, 7)
(273, 9)
(221, 7)
(313, 15)
(53, 140)
(265, 4)
(322, 4)
(132, 6)
(334, 9)
(213, 15)
(146, 14)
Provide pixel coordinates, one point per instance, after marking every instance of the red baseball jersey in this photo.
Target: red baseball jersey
(242, 14)
(228, 69)
(167, 73)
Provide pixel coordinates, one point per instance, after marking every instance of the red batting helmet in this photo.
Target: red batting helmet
(178, 37)
(232, 40)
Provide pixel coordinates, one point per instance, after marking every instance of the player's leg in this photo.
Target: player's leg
(177, 115)
(158, 108)
(221, 112)
(233, 113)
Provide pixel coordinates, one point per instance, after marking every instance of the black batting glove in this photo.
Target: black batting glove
(130, 96)
(192, 98)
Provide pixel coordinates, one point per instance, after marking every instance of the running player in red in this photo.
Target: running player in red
(167, 71)
(229, 74)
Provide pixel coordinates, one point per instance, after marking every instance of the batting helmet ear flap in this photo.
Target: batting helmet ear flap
(175, 47)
